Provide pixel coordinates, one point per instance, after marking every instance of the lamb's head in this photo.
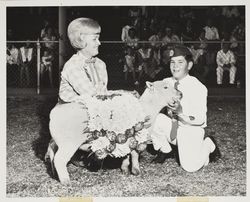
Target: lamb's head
(160, 93)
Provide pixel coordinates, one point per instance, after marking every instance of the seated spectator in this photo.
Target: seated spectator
(130, 65)
(164, 66)
(188, 33)
(200, 68)
(147, 63)
(234, 46)
(128, 25)
(44, 29)
(225, 62)
(202, 40)
(239, 33)
(26, 52)
(49, 36)
(170, 37)
(211, 34)
(155, 40)
(230, 11)
(186, 12)
(12, 59)
(154, 25)
(132, 39)
(12, 54)
(46, 65)
(134, 12)
(144, 29)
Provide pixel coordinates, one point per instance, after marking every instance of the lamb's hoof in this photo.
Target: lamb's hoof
(135, 171)
(125, 171)
(65, 181)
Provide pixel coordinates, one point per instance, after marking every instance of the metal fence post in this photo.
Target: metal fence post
(38, 66)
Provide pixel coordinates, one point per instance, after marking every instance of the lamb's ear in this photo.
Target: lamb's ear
(150, 85)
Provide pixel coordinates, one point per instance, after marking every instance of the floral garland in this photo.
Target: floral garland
(116, 124)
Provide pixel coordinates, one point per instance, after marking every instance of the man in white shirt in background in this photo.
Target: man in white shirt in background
(225, 60)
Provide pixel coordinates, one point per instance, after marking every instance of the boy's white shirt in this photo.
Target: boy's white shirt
(194, 100)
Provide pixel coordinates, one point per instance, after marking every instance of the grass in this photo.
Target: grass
(29, 176)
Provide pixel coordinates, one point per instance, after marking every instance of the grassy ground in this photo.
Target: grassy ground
(28, 174)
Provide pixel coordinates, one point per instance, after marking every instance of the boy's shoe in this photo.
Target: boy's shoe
(161, 157)
(216, 154)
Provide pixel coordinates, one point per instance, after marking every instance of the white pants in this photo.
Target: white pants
(192, 148)
(232, 73)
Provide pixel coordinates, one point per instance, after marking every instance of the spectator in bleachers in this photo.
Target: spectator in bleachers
(230, 11)
(155, 40)
(147, 63)
(12, 54)
(132, 39)
(239, 30)
(46, 65)
(186, 12)
(49, 36)
(124, 35)
(239, 33)
(234, 46)
(225, 62)
(130, 64)
(26, 53)
(144, 29)
(154, 25)
(134, 12)
(201, 69)
(44, 29)
(202, 40)
(213, 12)
(12, 59)
(211, 34)
(188, 33)
(170, 36)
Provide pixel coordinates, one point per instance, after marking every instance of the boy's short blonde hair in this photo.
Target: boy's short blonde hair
(81, 26)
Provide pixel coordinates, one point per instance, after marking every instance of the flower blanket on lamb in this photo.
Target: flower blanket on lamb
(116, 124)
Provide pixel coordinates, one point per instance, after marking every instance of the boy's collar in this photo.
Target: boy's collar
(183, 79)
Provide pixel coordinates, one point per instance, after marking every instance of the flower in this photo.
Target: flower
(115, 117)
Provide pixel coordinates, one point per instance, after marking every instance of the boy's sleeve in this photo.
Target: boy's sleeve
(199, 104)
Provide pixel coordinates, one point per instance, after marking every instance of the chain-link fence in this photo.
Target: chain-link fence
(35, 64)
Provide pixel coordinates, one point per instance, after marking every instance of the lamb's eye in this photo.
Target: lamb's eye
(165, 87)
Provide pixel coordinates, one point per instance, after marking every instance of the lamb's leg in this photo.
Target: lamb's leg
(125, 165)
(50, 154)
(67, 126)
(135, 163)
(62, 157)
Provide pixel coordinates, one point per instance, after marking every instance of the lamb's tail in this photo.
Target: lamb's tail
(50, 154)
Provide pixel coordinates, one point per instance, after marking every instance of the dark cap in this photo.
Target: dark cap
(179, 50)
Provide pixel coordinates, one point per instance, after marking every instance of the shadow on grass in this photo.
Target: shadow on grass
(40, 145)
